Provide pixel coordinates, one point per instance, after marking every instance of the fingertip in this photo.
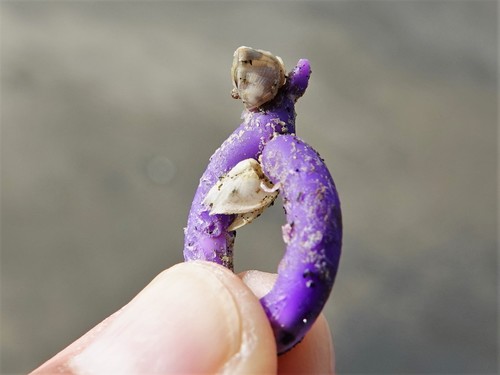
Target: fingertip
(195, 317)
(259, 282)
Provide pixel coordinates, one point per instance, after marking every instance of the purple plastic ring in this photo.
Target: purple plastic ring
(313, 233)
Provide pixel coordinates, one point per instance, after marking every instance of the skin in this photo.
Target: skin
(160, 331)
(313, 232)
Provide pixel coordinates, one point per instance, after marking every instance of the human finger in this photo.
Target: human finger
(196, 317)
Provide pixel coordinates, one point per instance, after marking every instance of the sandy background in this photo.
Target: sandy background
(110, 111)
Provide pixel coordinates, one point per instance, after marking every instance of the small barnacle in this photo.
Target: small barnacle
(244, 191)
(257, 76)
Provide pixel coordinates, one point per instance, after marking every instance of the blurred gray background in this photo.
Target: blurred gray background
(110, 111)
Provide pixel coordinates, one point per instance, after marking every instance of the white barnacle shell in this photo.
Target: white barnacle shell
(244, 191)
(257, 76)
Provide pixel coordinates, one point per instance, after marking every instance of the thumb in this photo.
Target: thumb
(195, 317)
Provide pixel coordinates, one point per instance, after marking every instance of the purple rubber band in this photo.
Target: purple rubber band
(313, 231)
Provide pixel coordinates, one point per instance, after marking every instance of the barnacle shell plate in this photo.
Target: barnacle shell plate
(257, 76)
(244, 191)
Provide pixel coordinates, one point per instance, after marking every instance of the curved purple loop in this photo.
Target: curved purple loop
(314, 229)
(313, 234)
